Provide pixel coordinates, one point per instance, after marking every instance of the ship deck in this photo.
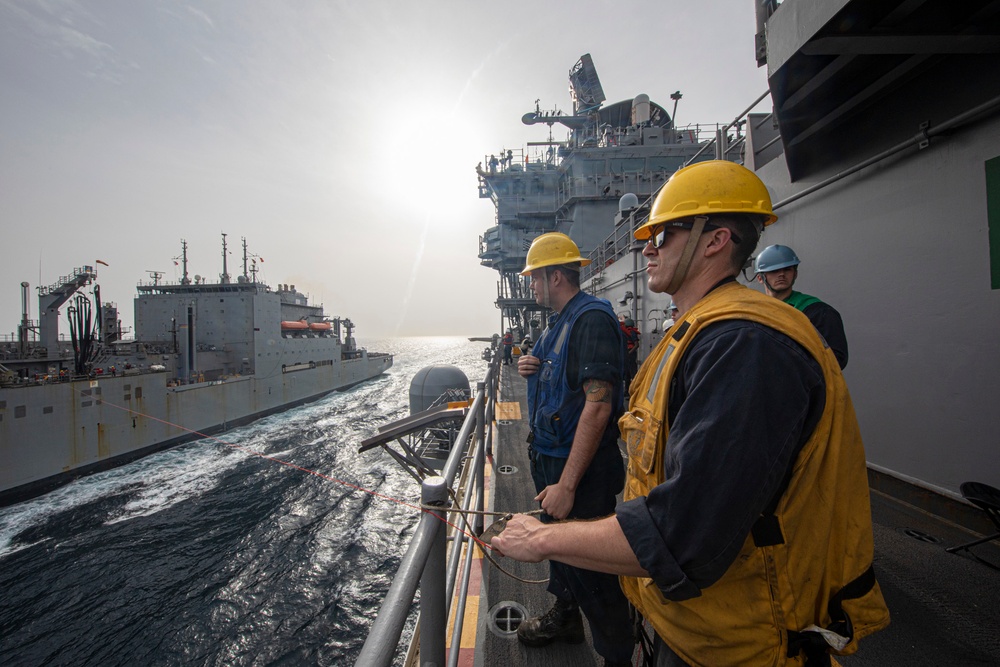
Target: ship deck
(943, 605)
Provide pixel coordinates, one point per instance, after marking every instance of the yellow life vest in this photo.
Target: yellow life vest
(776, 598)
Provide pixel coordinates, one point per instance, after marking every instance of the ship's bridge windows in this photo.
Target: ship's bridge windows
(667, 163)
(593, 167)
(629, 165)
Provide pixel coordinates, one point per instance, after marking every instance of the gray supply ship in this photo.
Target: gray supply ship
(205, 357)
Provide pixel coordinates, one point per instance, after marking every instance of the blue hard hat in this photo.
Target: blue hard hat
(775, 257)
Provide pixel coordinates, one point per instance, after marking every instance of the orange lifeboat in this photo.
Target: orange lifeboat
(320, 326)
(294, 325)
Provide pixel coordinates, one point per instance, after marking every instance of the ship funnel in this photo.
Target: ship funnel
(24, 302)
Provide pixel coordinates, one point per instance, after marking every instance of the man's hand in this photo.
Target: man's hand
(527, 365)
(557, 500)
(519, 539)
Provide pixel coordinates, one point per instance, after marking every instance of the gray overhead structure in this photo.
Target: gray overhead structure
(51, 298)
(573, 184)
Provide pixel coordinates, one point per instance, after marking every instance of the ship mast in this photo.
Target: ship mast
(245, 276)
(184, 263)
(224, 278)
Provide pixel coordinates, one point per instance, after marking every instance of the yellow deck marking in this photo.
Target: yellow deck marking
(510, 410)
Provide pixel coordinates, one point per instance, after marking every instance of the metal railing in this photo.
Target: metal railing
(424, 563)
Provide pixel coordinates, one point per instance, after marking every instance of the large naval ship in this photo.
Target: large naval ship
(205, 357)
(879, 141)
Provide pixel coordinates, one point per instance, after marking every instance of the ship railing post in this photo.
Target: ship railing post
(481, 468)
(491, 407)
(721, 144)
(383, 638)
(433, 602)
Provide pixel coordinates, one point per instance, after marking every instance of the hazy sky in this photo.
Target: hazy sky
(339, 138)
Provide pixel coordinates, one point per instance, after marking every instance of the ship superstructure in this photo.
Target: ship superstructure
(574, 184)
(205, 356)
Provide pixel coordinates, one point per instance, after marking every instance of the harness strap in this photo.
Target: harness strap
(766, 530)
(813, 643)
(685, 261)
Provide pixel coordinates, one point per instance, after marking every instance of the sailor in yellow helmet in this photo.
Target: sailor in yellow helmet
(575, 398)
(745, 536)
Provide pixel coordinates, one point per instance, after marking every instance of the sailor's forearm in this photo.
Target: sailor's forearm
(594, 545)
(589, 431)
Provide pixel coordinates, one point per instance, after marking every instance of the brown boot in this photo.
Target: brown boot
(561, 623)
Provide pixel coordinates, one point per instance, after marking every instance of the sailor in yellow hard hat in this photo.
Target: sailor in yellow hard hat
(575, 396)
(744, 536)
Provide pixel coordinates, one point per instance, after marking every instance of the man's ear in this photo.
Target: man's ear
(717, 240)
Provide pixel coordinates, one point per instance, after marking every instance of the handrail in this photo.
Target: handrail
(436, 576)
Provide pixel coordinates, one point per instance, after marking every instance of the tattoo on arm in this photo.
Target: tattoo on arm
(597, 391)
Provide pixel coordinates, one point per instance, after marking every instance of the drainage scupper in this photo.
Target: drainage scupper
(505, 617)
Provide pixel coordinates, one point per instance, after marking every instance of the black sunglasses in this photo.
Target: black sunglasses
(658, 234)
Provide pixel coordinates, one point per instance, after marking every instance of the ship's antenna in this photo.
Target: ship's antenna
(184, 263)
(676, 97)
(155, 275)
(224, 278)
(244, 240)
(253, 262)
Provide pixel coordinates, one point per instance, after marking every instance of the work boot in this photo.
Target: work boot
(563, 623)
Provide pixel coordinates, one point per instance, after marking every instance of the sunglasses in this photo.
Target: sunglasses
(658, 234)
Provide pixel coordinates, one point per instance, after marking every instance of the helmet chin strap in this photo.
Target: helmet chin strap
(774, 292)
(680, 273)
(546, 299)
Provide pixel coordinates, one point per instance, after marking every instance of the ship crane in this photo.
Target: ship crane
(49, 301)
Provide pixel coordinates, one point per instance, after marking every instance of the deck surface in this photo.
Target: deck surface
(944, 606)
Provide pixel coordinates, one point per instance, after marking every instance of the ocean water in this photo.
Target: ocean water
(208, 554)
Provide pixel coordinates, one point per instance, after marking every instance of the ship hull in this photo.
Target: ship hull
(51, 433)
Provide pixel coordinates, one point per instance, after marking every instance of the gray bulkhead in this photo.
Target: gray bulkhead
(902, 247)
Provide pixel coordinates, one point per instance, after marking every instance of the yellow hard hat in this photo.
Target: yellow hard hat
(552, 249)
(706, 188)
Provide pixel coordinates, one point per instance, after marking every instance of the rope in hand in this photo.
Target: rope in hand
(483, 541)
